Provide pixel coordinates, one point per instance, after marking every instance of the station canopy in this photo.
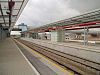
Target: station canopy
(84, 18)
(10, 11)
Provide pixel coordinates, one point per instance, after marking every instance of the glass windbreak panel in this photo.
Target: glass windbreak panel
(13, 0)
(1, 21)
(1, 18)
(4, 12)
(15, 12)
(3, 0)
(13, 20)
(6, 16)
(4, 5)
(13, 17)
(7, 24)
(3, 24)
(17, 5)
(6, 19)
(17, 0)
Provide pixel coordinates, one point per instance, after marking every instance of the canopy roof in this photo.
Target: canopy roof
(90, 20)
(84, 18)
(10, 10)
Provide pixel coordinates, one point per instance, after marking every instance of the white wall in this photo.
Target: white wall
(15, 33)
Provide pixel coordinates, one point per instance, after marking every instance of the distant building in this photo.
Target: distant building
(23, 27)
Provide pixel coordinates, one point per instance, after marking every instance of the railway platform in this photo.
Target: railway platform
(80, 59)
(12, 61)
(87, 52)
(17, 59)
(20, 58)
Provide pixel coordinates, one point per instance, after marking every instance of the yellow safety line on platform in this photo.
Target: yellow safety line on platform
(47, 59)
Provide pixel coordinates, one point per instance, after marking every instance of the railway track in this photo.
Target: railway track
(78, 65)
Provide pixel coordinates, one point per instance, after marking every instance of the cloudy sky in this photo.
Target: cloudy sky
(41, 12)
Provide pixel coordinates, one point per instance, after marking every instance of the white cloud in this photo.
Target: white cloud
(40, 12)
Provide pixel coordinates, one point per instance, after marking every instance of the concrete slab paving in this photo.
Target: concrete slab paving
(12, 61)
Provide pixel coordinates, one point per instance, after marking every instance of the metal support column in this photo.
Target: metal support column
(86, 30)
(1, 33)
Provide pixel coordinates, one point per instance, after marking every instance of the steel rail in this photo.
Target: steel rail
(76, 64)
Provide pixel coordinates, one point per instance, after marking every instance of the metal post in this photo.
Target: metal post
(1, 32)
(87, 30)
(86, 35)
